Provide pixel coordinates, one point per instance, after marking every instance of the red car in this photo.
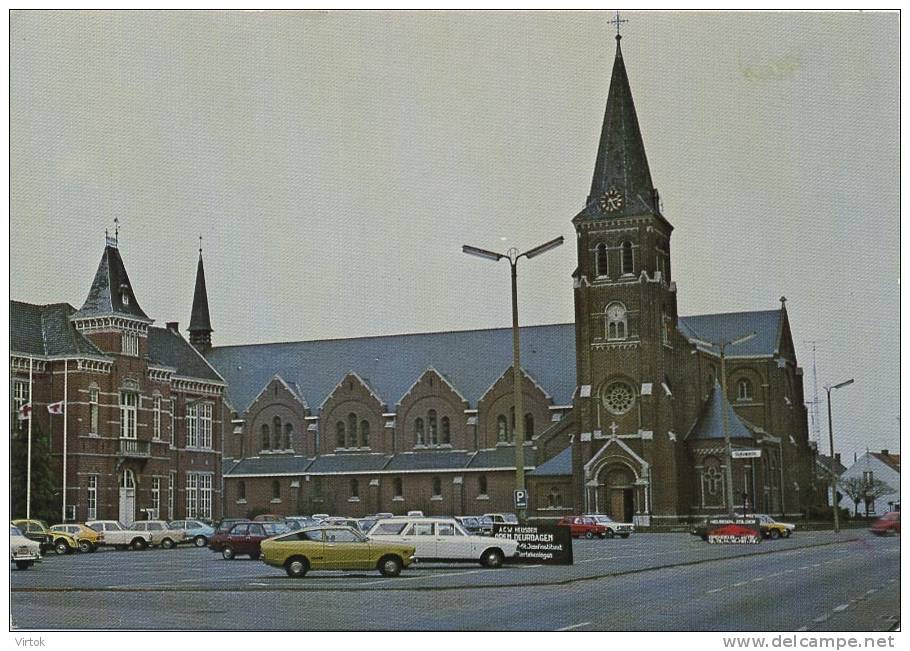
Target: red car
(582, 526)
(244, 538)
(887, 524)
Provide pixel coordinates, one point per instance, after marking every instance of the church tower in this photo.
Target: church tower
(625, 457)
(200, 325)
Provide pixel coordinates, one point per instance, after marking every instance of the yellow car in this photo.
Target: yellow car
(334, 548)
(771, 528)
(87, 538)
(60, 541)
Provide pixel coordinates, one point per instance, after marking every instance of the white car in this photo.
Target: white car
(22, 551)
(623, 529)
(162, 534)
(121, 537)
(444, 540)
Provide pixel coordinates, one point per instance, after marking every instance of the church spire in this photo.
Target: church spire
(622, 181)
(200, 325)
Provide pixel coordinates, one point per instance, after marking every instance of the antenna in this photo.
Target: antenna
(814, 425)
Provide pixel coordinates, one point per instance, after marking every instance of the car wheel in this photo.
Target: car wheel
(121, 547)
(390, 566)
(589, 534)
(23, 565)
(199, 541)
(85, 547)
(255, 556)
(775, 534)
(61, 547)
(602, 536)
(227, 553)
(167, 543)
(296, 567)
(787, 533)
(610, 533)
(623, 535)
(491, 558)
(139, 544)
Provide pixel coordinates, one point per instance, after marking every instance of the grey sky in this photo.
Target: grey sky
(335, 163)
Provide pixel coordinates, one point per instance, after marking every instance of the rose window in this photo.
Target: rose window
(618, 398)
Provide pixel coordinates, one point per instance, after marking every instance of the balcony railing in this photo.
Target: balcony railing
(134, 448)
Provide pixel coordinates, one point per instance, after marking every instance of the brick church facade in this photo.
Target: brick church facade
(623, 409)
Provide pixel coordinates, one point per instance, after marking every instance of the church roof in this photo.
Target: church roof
(766, 324)
(109, 289)
(199, 318)
(471, 360)
(169, 348)
(621, 164)
(710, 421)
(559, 465)
(46, 330)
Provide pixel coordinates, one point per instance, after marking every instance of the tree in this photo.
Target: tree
(875, 489)
(45, 499)
(859, 489)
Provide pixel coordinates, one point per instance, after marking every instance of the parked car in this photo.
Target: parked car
(890, 523)
(162, 534)
(502, 518)
(471, 524)
(23, 552)
(334, 548)
(320, 516)
(621, 529)
(771, 528)
(119, 536)
(415, 514)
(226, 524)
(444, 540)
(87, 538)
(268, 517)
(380, 516)
(195, 532)
(581, 525)
(365, 524)
(244, 538)
(60, 541)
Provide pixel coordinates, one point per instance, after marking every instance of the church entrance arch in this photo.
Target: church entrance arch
(616, 492)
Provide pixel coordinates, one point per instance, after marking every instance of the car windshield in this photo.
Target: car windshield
(511, 518)
(14, 531)
(115, 526)
(486, 520)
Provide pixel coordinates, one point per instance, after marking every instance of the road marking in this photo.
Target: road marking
(821, 618)
(802, 629)
(736, 585)
(569, 628)
(257, 584)
(714, 590)
(841, 608)
(804, 567)
(761, 578)
(426, 576)
(871, 590)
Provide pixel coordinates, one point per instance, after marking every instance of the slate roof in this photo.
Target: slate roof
(110, 283)
(277, 464)
(471, 360)
(168, 348)
(621, 163)
(710, 421)
(46, 330)
(410, 461)
(501, 457)
(825, 462)
(729, 325)
(199, 317)
(348, 463)
(559, 465)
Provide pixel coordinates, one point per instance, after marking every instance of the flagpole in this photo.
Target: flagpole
(66, 366)
(28, 464)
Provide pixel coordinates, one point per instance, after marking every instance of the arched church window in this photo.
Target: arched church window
(617, 321)
(276, 433)
(600, 258)
(713, 478)
(446, 431)
(352, 430)
(437, 486)
(627, 257)
(419, 432)
(276, 490)
(529, 425)
(266, 439)
(666, 324)
(502, 429)
(618, 398)
(512, 424)
(340, 429)
(288, 429)
(482, 485)
(433, 426)
(744, 390)
(554, 499)
(365, 433)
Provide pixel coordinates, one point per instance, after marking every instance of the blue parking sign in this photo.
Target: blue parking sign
(521, 498)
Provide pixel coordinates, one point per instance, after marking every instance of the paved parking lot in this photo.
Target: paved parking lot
(648, 582)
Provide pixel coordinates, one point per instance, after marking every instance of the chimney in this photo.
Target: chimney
(174, 326)
(837, 456)
(885, 453)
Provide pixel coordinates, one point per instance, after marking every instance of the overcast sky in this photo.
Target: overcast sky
(335, 162)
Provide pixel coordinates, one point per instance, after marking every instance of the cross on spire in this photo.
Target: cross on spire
(200, 245)
(614, 427)
(618, 22)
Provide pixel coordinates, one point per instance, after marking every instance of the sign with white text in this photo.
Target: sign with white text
(538, 544)
(746, 454)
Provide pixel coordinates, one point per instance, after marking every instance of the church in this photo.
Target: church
(624, 410)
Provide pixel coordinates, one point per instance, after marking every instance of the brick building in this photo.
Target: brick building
(143, 411)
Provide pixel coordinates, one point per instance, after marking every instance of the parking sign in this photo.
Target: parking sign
(521, 498)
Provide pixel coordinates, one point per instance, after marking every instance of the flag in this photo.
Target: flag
(25, 411)
(55, 408)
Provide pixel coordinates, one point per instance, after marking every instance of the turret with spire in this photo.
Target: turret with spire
(200, 324)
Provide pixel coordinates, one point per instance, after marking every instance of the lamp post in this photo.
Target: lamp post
(513, 256)
(722, 346)
(834, 500)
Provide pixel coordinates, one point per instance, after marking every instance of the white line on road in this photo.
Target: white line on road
(258, 584)
(841, 608)
(569, 628)
(714, 590)
(736, 585)
(802, 629)
(821, 618)
(426, 576)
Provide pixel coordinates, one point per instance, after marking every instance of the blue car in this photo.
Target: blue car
(195, 532)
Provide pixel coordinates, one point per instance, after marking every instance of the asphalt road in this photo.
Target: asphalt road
(813, 581)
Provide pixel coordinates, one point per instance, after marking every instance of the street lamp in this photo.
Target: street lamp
(834, 500)
(512, 255)
(722, 345)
